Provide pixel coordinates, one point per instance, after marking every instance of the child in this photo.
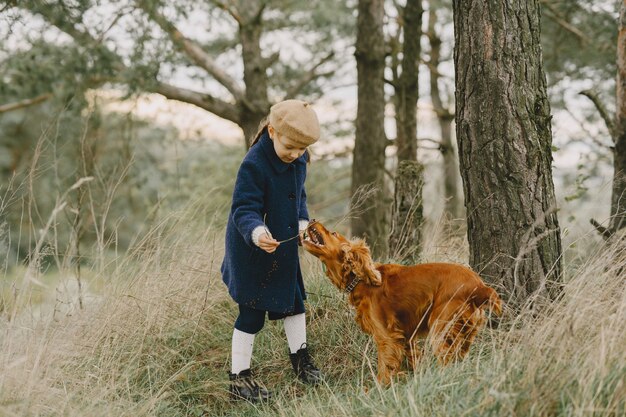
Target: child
(261, 266)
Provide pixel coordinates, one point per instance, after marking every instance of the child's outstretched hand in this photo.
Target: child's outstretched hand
(268, 243)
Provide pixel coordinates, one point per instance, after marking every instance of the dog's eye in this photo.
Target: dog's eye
(334, 233)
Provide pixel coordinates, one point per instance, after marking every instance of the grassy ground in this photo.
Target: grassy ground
(155, 340)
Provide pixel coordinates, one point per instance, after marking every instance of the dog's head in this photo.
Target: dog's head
(340, 255)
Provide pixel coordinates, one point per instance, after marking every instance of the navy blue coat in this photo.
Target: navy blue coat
(271, 190)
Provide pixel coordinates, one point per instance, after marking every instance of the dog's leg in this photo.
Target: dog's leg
(390, 355)
(453, 332)
(413, 353)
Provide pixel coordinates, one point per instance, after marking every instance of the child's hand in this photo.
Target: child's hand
(268, 243)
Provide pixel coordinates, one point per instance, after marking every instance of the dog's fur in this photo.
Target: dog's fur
(398, 304)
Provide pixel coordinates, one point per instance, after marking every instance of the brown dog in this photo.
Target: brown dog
(398, 304)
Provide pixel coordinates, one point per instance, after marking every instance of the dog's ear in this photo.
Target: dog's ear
(357, 258)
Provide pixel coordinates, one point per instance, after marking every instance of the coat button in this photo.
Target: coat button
(292, 196)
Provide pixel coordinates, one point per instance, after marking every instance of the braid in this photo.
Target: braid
(262, 126)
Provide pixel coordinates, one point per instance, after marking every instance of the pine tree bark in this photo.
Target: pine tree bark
(407, 87)
(369, 149)
(407, 219)
(504, 139)
(256, 104)
(618, 198)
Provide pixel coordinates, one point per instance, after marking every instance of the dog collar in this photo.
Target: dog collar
(352, 284)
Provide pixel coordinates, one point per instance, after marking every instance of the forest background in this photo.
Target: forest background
(122, 124)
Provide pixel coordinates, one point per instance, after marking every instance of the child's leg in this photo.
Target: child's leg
(295, 329)
(295, 325)
(248, 324)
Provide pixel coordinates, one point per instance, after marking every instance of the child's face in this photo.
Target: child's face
(286, 150)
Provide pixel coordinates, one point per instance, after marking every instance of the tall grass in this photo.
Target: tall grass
(156, 341)
(153, 335)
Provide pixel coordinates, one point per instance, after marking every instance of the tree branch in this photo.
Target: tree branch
(555, 15)
(4, 108)
(207, 102)
(605, 232)
(228, 10)
(194, 51)
(271, 60)
(604, 113)
(309, 76)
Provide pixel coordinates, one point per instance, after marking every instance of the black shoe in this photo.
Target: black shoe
(304, 368)
(244, 387)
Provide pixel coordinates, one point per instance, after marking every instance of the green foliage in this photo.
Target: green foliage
(129, 47)
(138, 169)
(579, 39)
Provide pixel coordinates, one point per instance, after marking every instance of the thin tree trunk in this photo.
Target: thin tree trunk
(407, 88)
(369, 149)
(407, 218)
(405, 240)
(504, 138)
(618, 199)
(453, 206)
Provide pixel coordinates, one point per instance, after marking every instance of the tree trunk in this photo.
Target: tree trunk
(618, 199)
(256, 104)
(407, 91)
(453, 207)
(405, 240)
(369, 149)
(406, 219)
(504, 138)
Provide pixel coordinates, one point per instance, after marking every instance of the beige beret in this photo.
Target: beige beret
(296, 120)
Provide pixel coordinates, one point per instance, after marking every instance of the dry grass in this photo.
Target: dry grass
(155, 340)
(154, 335)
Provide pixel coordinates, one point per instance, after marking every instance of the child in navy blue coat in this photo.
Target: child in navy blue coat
(261, 266)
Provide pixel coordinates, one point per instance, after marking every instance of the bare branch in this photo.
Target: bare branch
(391, 82)
(309, 76)
(604, 113)
(121, 13)
(24, 103)
(207, 102)
(590, 135)
(194, 52)
(271, 60)
(231, 11)
(605, 232)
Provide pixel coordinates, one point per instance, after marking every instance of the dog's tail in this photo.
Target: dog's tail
(486, 297)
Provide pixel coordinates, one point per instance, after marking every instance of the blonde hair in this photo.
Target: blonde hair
(263, 124)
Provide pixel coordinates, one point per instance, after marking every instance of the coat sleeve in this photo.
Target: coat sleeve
(247, 209)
